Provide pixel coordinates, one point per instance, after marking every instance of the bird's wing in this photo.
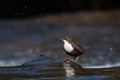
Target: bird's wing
(78, 47)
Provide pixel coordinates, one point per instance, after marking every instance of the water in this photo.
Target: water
(25, 40)
(46, 69)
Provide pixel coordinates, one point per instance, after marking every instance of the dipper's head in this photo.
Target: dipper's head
(66, 39)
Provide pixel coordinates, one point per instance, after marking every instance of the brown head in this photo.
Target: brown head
(67, 38)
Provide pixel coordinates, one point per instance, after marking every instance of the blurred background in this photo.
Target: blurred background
(30, 28)
(27, 8)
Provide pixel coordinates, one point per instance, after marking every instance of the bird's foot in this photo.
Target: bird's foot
(76, 59)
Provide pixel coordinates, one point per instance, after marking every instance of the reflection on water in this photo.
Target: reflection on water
(71, 68)
(70, 71)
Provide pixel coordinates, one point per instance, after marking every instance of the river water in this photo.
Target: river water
(27, 39)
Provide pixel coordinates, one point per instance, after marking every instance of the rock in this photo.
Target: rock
(40, 60)
(71, 68)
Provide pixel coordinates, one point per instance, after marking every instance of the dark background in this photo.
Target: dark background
(26, 8)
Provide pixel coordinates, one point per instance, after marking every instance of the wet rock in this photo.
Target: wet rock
(71, 68)
(40, 60)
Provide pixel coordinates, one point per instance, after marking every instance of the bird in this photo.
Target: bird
(72, 48)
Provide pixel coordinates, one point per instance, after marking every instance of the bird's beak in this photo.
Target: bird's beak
(60, 39)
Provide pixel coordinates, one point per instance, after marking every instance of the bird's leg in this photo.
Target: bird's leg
(75, 60)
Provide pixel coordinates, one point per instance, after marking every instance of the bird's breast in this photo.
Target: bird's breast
(68, 47)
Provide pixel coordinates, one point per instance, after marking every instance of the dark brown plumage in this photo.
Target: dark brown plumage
(74, 49)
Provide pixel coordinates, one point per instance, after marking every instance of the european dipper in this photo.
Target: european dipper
(72, 48)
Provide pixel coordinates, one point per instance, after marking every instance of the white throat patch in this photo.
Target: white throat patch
(67, 46)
